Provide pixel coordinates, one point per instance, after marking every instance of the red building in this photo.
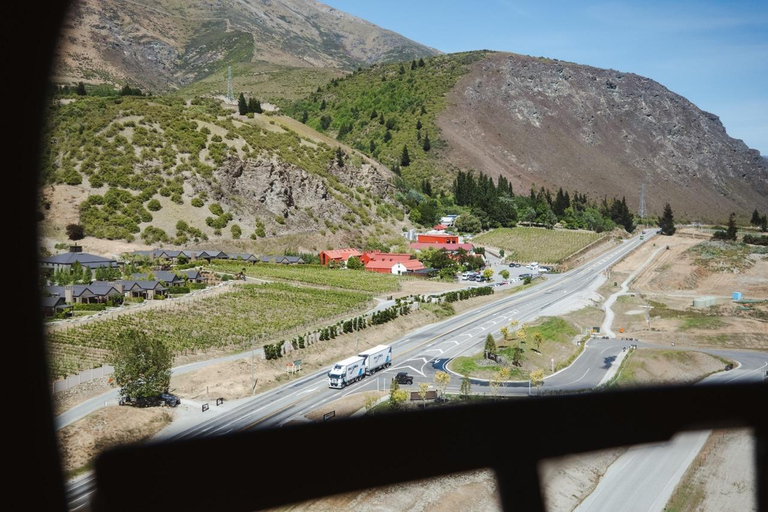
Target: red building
(394, 267)
(338, 256)
(384, 256)
(438, 238)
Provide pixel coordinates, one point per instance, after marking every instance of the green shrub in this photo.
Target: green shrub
(197, 202)
(280, 219)
(154, 205)
(216, 209)
(236, 231)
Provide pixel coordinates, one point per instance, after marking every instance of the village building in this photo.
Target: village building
(338, 256)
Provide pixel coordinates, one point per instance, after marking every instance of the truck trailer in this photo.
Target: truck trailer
(377, 358)
(345, 372)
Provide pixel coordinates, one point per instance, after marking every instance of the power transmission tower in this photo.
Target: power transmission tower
(642, 211)
(230, 89)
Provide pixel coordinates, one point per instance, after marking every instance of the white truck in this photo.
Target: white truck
(377, 358)
(345, 372)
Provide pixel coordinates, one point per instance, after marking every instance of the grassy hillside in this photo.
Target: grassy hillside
(377, 110)
(264, 80)
(149, 166)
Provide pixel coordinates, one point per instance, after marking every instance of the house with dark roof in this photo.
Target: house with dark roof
(98, 291)
(65, 260)
(211, 255)
(243, 256)
(54, 305)
(164, 276)
(293, 260)
(193, 276)
(143, 289)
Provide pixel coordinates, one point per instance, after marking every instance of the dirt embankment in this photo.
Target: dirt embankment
(721, 477)
(83, 440)
(651, 366)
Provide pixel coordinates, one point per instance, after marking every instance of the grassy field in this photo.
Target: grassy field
(228, 320)
(371, 282)
(645, 367)
(556, 333)
(537, 244)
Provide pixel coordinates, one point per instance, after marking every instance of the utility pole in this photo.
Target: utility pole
(230, 88)
(642, 212)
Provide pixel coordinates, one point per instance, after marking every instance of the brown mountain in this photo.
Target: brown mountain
(547, 122)
(164, 44)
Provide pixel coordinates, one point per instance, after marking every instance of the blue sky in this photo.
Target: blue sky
(715, 53)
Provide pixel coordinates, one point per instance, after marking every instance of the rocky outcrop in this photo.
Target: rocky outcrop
(603, 132)
(265, 190)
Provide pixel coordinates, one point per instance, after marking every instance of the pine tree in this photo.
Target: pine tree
(372, 146)
(490, 345)
(418, 127)
(667, 221)
(421, 63)
(423, 110)
(405, 159)
(755, 218)
(764, 223)
(374, 114)
(339, 156)
(427, 146)
(426, 187)
(381, 118)
(401, 70)
(242, 105)
(732, 229)
(322, 104)
(254, 105)
(387, 136)
(413, 65)
(304, 117)
(80, 91)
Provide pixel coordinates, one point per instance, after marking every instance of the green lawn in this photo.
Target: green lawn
(537, 244)
(371, 282)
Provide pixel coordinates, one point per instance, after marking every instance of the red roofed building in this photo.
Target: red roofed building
(384, 256)
(338, 255)
(394, 267)
(440, 227)
(438, 238)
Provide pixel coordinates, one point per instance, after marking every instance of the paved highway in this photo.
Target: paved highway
(643, 479)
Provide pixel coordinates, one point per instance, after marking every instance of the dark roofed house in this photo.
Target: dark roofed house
(211, 255)
(268, 259)
(167, 277)
(145, 289)
(293, 260)
(98, 291)
(54, 305)
(65, 260)
(244, 256)
(193, 276)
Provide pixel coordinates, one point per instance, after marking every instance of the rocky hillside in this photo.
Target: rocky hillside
(545, 123)
(165, 44)
(164, 170)
(556, 123)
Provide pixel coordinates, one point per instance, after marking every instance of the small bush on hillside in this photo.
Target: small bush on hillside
(154, 205)
(75, 232)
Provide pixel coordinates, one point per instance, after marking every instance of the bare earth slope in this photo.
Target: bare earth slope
(169, 43)
(601, 131)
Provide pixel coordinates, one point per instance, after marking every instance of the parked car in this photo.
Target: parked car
(728, 367)
(161, 399)
(403, 378)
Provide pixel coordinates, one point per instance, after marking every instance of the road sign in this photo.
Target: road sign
(552, 362)
(329, 415)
